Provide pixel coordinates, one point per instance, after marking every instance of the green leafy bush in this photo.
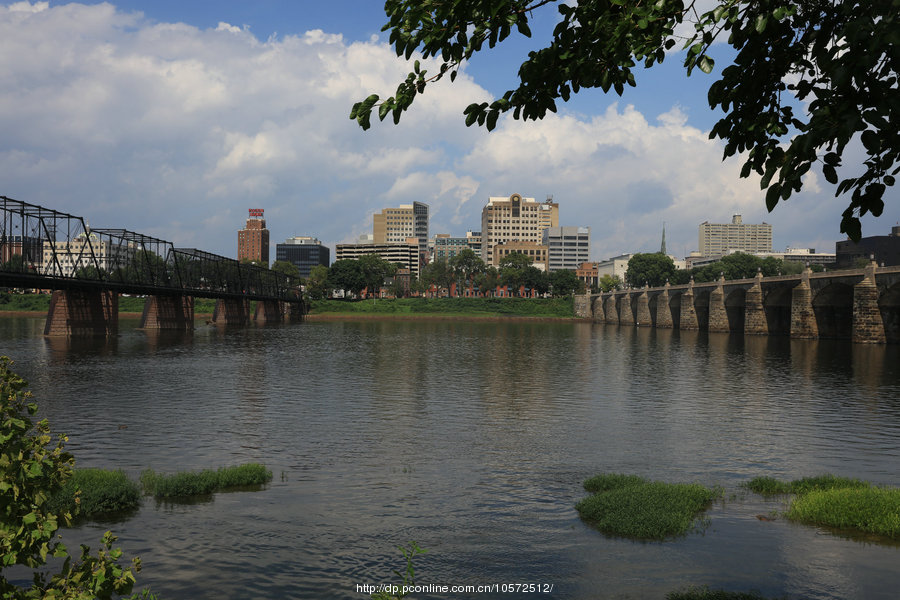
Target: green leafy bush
(32, 471)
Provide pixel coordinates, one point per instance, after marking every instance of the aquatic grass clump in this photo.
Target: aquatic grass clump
(243, 475)
(866, 509)
(632, 507)
(101, 491)
(769, 486)
(203, 483)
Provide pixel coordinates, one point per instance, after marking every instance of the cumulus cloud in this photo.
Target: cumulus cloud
(174, 131)
(160, 127)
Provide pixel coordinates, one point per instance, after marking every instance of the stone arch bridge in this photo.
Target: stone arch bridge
(861, 304)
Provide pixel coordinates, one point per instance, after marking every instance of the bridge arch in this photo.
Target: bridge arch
(735, 304)
(777, 304)
(675, 309)
(701, 308)
(833, 307)
(889, 305)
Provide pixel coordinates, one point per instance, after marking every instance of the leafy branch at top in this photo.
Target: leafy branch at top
(838, 59)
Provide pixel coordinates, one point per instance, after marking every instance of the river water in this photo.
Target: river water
(473, 439)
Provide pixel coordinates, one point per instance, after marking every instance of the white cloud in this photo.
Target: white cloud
(175, 131)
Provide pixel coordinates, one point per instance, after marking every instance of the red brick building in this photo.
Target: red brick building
(253, 240)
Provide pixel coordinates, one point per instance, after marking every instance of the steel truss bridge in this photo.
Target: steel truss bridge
(41, 248)
(88, 267)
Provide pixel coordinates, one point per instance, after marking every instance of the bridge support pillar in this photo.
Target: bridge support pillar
(582, 306)
(663, 311)
(82, 312)
(597, 314)
(231, 311)
(868, 326)
(626, 316)
(609, 308)
(294, 311)
(755, 322)
(643, 319)
(803, 317)
(688, 312)
(268, 311)
(168, 312)
(718, 316)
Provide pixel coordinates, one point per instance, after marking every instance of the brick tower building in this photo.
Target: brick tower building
(253, 240)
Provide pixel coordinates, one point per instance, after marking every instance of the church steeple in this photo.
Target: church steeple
(662, 247)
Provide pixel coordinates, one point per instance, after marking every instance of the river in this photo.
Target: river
(473, 439)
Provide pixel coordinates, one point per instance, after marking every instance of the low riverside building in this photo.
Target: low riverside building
(533, 250)
(405, 254)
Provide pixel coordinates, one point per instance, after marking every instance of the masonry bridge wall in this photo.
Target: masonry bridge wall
(862, 305)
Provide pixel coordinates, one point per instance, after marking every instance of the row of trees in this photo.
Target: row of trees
(461, 272)
(654, 269)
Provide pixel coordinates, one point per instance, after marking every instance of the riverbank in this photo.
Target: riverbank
(444, 308)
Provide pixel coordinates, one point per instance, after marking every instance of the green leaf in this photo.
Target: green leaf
(706, 64)
(773, 195)
(830, 174)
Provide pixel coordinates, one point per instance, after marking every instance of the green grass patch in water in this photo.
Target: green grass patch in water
(102, 492)
(632, 507)
(865, 509)
(203, 483)
(769, 486)
(840, 503)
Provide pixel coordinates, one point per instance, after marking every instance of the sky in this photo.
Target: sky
(172, 118)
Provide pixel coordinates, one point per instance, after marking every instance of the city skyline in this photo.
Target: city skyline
(173, 118)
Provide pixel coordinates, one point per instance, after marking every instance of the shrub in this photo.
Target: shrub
(33, 470)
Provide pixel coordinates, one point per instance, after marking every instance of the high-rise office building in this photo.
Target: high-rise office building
(304, 253)
(716, 239)
(515, 219)
(567, 247)
(253, 240)
(397, 225)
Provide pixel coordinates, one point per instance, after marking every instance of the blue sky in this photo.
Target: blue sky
(172, 118)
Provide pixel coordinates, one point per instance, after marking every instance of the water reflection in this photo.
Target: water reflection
(472, 438)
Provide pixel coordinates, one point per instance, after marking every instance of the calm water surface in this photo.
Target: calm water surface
(473, 439)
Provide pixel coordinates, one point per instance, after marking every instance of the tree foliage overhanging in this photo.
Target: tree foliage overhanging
(839, 58)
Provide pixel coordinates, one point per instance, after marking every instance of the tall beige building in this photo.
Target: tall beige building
(515, 219)
(716, 239)
(396, 225)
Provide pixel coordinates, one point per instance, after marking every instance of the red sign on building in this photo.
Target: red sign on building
(257, 212)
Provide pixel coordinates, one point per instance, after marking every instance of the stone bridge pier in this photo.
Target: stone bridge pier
(862, 305)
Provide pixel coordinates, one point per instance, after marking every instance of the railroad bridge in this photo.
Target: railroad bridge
(86, 268)
(860, 304)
